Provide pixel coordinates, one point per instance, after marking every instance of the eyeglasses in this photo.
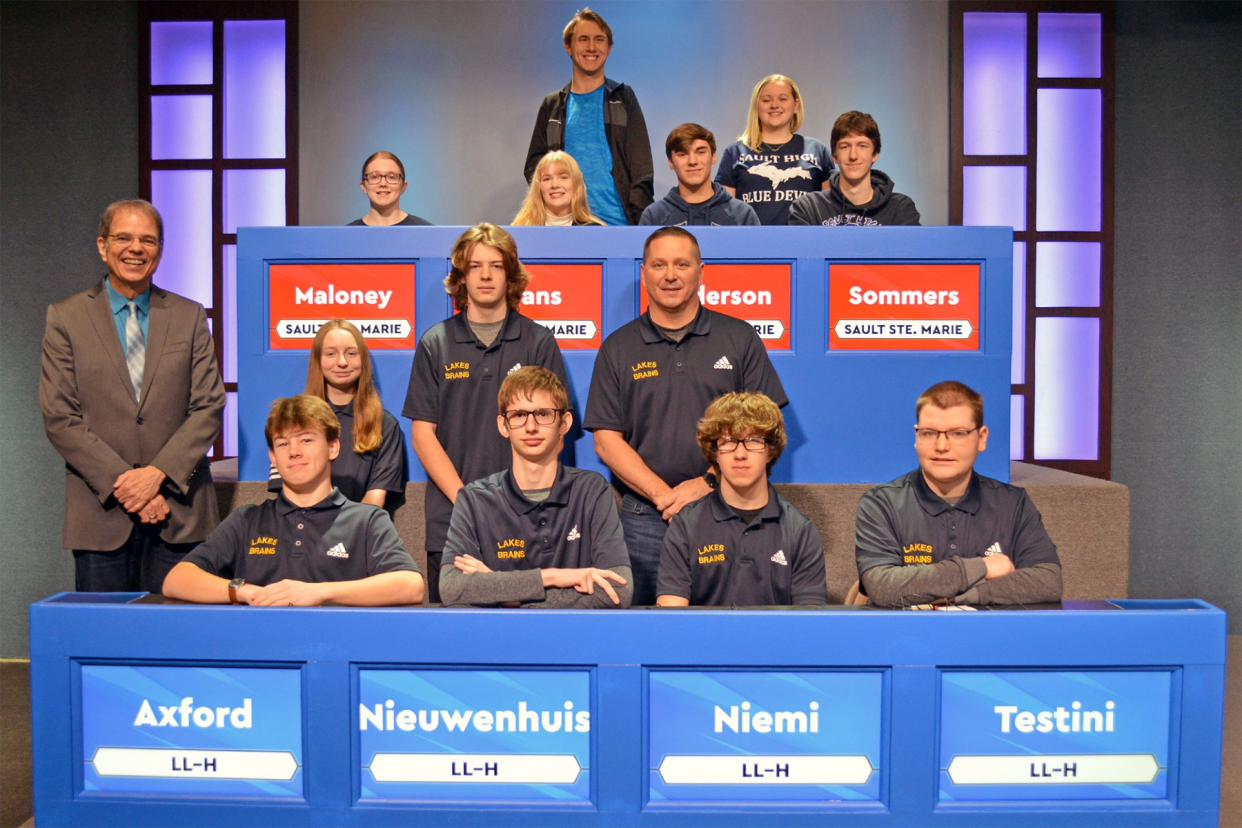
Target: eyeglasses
(752, 443)
(125, 240)
(957, 436)
(543, 416)
(391, 178)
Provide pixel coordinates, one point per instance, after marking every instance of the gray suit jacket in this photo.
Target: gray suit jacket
(92, 419)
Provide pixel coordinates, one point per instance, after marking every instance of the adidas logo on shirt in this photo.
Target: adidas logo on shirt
(338, 551)
(723, 364)
(574, 534)
(779, 558)
(516, 366)
(994, 549)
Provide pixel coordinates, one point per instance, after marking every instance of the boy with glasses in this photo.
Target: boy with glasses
(539, 534)
(943, 534)
(742, 545)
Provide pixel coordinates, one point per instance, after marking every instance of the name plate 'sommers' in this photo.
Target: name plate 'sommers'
(756, 736)
(513, 735)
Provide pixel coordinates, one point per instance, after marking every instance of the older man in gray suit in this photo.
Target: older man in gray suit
(132, 399)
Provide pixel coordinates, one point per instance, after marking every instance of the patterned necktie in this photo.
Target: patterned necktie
(135, 349)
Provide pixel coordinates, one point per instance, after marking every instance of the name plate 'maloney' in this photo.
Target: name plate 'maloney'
(202, 731)
(1054, 736)
(508, 735)
(760, 736)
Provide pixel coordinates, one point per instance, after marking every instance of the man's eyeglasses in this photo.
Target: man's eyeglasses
(376, 177)
(957, 436)
(125, 240)
(543, 416)
(727, 444)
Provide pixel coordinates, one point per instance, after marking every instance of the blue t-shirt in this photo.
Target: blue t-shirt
(586, 142)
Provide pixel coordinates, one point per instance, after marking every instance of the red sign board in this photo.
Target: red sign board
(906, 307)
(756, 293)
(378, 298)
(568, 299)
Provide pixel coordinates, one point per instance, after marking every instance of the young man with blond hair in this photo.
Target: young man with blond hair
(945, 534)
(742, 545)
(539, 534)
(309, 545)
(458, 367)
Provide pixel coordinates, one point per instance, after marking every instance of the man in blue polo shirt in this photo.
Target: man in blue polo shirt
(653, 379)
(743, 545)
(943, 533)
(539, 534)
(309, 545)
(458, 368)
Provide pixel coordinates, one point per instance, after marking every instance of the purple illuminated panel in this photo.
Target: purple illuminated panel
(994, 197)
(181, 53)
(183, 197)
(230, 424)
(180, 126)
(254, 89)
(1069, 45)
(1017, 425)
(994, 84)
(1067, 389)
(1017, 365)
(1067, 274)
(1068, 183)
(230, 313)
(253, 198)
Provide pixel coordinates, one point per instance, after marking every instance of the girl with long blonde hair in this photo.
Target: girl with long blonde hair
(557, 195)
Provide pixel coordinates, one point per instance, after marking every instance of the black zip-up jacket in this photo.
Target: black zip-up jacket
(632, 170)
(832, 209)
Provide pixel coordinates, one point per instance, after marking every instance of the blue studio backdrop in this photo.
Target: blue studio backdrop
(850, 412)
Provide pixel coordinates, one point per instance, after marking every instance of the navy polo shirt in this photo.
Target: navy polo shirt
(715, 557)
(356, 474)
(654, 390)
(904, 522)
(334, 540)
(454, 383)
(577, 525)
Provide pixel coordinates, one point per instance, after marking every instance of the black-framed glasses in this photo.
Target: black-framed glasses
(728, 444)
(125, 240)
(543, 416)
(957, 436)
(376, 177)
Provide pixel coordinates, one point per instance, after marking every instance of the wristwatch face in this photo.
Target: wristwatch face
(237, 583)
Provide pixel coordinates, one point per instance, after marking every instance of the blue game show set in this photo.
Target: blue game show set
(1097, 712)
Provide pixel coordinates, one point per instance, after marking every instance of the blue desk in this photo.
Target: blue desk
(337, 716)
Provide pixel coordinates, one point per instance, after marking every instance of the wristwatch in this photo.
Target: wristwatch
(710, 480)
(234, 585)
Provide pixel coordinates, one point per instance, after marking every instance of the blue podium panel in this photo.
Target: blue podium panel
(857, 321)
(150, 713)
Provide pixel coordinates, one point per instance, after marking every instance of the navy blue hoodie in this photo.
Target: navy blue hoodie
(721, 210)
(831, 208)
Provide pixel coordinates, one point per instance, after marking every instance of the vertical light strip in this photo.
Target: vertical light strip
(254, 89)
(1070, 45)
(1067, 274)
(1067, 395)
(230, 424)
(994, 197)
(1069, 184)
(181, 53)
(253, 198)
(1017, 369)
(183, 198)
(1017, 425)
(994, 84)
(229, 368)
(180, 127)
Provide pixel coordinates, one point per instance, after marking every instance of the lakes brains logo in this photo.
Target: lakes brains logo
(377, 298)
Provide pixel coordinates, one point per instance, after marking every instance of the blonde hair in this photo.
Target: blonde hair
(368, 410)
(585, 14)
(533, 213)
(302, 411)
(948, 394)
(528, 379)
(736, 413)
(516, 276)
(752, 136)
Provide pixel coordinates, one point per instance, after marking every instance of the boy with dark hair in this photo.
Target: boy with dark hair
(539, 534)
(599, 122)
(696, 200)
(457, 367)
(308, 546)
(743, 544)
(945, 534)
(857, 194)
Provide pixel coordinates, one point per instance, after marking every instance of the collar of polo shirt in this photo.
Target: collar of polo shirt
(933, 504)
